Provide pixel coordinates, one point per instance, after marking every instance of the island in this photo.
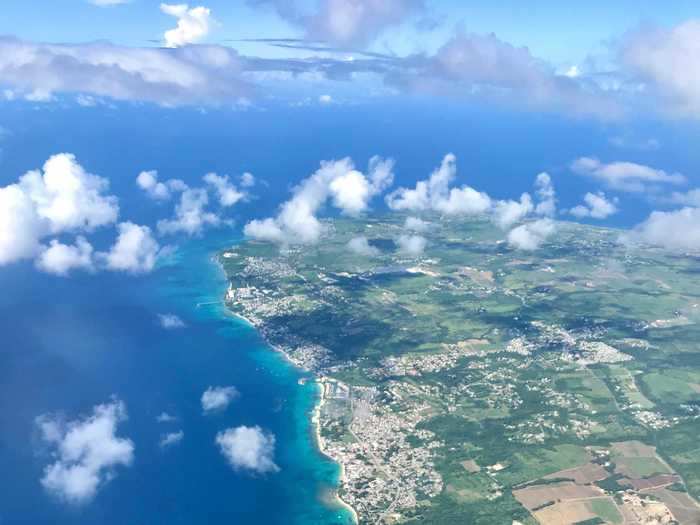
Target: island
(475, 383)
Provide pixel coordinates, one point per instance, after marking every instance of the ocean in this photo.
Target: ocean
(71, 344)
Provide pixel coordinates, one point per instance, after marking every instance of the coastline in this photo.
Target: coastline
(316, 423)
(315, 413)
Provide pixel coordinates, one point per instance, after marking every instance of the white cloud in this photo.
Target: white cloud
(61, 198)
(171, 438)
(507, 213)
(86, 101)
(435, 194)
(674, 230)
(625, 176)
(164, 417)
(60, 259)
(361, 246)
(148, 182)
(689, 198)
(483, 66)
(667, 61)
(547, 199)
(192, 24)
(325, 99)
(135, 250)
(227, 192)
(20, 226)
(170, 321)
(68, 197)
(349, 190)
(40, 95)
(210, 75)
(217, 398)
(347, 22)
(248, 448)
(415, 224)
(86, 452)
(269, 230)
(247, 180)
(597, 206)
(191, 216)
(531, 235)
(411, 244)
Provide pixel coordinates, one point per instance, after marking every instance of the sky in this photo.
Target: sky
(541, 25)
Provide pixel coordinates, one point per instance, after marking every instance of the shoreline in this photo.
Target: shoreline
(315, 419)
(316, 423)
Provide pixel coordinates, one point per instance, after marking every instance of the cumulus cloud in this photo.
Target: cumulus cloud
(216, 398)
(531, 235)
(247, 180)
(624, 176)
(86, 452)
(507, 213)
(187, 75)
(68, 197)
(674, 230)
(192, 24)
(60, 259)
(191, 215)
(148, 182)
(436, 194)
(361, 246)
(666, 60)
(135, 250)
(227, 192)
(415, 224)
(597, 206)
(248, 448)
(64, 198)
(346, 22)
(411, 244)
(171, 438)
(170, 321)
(348, 189)
(486, 66)
(547, 198)
(20, 226)
(61, 198)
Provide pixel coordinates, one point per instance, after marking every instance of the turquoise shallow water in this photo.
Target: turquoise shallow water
(74, 344)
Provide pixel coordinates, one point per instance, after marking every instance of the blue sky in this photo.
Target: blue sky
(557, 31)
